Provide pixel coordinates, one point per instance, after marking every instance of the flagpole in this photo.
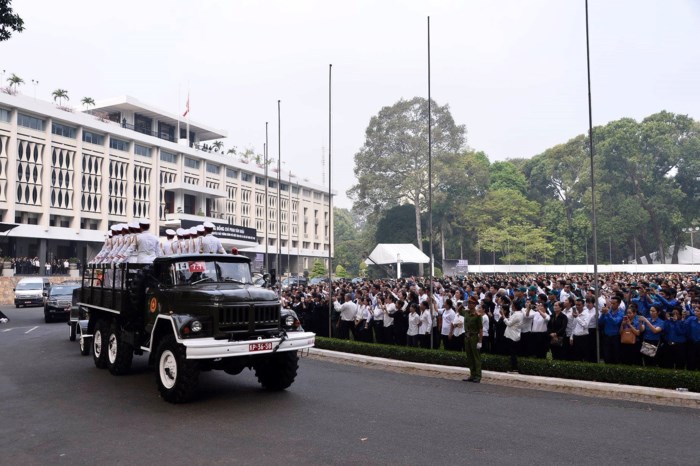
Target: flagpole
(188, 114)
(330, 207)
(430, 188)
(594, 224)
(177, 110)
(267, 231)
(279, 193)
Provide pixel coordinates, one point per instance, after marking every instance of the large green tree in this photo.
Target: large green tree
(9, 20)
(392, 165)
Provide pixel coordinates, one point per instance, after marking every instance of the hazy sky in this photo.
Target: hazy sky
(514, 72)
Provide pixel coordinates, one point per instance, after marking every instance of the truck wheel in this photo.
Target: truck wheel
(119, 353)
(84, 342)
(72, 331)
(47, 317)
(99, 344)
(176, 376)
(277, 371)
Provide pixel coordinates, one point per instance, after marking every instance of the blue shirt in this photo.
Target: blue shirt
(610, 321)
(693, 328)
(649, 335)
(676, 331)
(643, 305)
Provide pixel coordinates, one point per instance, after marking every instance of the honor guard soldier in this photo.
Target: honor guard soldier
(193, 241)
(166, 248)
(147, 244)
(198, 239)
(106, 248)
(210, 243)
(177, 244)
(131, 254)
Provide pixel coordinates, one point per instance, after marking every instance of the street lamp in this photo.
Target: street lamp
(692, 231)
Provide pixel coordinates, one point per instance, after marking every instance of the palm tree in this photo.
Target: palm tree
(15, 81)
(217, 145)
(60, 94)
(87, 101)
(231, 151)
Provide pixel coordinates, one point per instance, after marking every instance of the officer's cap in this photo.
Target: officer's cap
(170, 232)
(209, 225)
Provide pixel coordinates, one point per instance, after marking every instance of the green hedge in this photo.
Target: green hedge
(626, 375)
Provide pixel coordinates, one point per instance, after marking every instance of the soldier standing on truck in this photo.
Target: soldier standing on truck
(166, 248)
(146, 244)
(210, 243)
(131, 254)
(199, 238)
(106, 248)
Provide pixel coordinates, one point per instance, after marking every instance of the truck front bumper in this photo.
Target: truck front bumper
(209, 348)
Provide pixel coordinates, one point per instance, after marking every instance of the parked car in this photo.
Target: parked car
(357, 280)
(58, 301)
(294, 281)
(30, 291)
(318, 280)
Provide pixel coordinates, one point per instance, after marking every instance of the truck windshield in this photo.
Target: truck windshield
(193, 272)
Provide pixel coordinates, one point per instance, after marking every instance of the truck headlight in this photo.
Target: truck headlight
(196, 326)
(289, 321)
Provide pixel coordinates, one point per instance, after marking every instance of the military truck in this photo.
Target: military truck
(189, 313)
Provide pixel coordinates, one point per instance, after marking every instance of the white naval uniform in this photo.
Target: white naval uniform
(147, 247)
(212, 245)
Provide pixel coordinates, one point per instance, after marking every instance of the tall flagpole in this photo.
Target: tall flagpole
(593, 210)
(330, 204)
(430, 185)
(279, 194)
(267, 231)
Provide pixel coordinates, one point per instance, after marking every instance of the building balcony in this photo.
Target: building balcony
(195, 189)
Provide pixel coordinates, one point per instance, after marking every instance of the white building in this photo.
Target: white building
(66, 176)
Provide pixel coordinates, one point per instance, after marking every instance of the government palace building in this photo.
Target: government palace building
(67, 175)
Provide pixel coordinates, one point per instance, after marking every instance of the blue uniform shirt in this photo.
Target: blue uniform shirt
(693, 328)
(610, 321)
(649, 335)
(676, 331)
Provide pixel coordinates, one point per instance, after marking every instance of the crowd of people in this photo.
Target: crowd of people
(650, 320)
(32, 266)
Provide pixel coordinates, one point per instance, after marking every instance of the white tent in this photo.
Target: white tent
(385, 253)
(686, 255)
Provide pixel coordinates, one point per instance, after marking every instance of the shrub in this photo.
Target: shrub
(625, 375)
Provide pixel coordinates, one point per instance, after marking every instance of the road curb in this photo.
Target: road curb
(599, 389)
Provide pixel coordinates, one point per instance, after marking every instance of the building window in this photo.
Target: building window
(190, 202)
(118, 144)
(272, 184)
(260, 180)
(63, 130)
(142, 150)
(4, 115)
(246, 177)
(284, 187)
(93, 138)
(317, 196)
(211, 168)
(231, 173)
(30, 122)
(168, 157)
(191, 163)
(295, 190)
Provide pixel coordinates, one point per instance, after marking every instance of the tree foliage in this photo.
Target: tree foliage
(318, 270)
(9, 21)
(392, 165)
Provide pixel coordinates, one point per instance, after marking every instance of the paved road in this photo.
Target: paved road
(56, 408)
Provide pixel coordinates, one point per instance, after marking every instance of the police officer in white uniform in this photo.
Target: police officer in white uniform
(210, 243)
(166, 247)
(177, 244)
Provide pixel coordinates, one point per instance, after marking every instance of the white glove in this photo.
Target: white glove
(478, 346)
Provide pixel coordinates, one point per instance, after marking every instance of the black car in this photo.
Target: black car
(59, 301)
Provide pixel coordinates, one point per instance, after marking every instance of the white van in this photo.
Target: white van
(30, 291)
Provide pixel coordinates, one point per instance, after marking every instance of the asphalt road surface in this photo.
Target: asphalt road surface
(57, 408)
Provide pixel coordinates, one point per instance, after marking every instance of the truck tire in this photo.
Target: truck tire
(119, 353)
(277, 371)
(72, 330)
(177, 377)
(99, 344)
(84, 342)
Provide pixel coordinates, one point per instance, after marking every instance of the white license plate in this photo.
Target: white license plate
(260, 346)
